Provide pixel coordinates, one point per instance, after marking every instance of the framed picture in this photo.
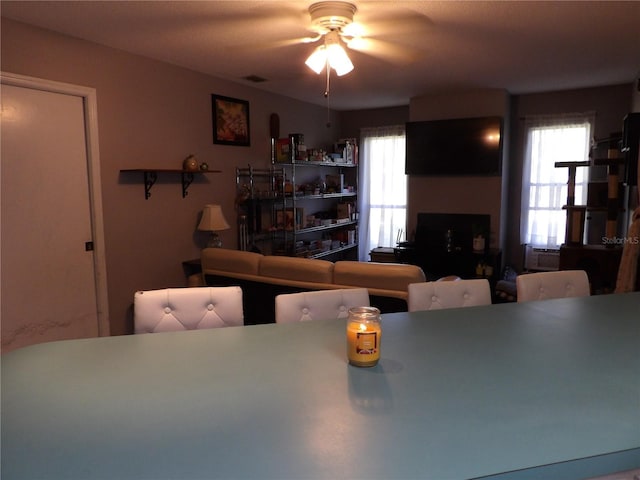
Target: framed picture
(285, 219)
(230, 121)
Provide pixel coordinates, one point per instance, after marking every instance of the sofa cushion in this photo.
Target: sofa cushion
(216, 260)
(308, 270)
(374, 275)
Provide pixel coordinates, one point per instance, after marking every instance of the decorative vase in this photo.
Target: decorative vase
(190, 164)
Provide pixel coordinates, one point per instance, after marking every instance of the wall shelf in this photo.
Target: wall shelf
(150, 176)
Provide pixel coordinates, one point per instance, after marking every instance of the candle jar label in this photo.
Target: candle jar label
(366, 343)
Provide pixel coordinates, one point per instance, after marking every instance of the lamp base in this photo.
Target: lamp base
(214, 241)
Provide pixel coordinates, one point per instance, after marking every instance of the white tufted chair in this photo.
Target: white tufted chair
(438, 295)
(319, 304)
(545, 285)
(175, 309)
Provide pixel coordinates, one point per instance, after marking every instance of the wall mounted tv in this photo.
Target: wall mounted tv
(462, 146)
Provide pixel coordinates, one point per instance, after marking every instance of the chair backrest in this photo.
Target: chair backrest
(319, 304)
(557, 284)
(437, 295)
(174, 309)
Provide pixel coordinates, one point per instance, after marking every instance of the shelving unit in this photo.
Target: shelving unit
(301, 208)
(259, 197)
(150, 176)
(323, 228)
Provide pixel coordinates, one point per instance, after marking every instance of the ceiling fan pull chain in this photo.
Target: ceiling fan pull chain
(328, 70)
(326, 95)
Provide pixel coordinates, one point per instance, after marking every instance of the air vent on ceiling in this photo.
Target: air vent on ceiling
(255, 78)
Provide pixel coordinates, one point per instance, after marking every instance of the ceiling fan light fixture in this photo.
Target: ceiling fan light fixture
(331, 53)
(318, 59)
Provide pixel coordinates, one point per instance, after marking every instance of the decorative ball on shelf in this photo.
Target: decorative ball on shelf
(190, 164)
(204, 166)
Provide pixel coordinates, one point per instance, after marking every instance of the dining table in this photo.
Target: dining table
(533, 390)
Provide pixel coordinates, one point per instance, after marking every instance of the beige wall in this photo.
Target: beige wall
(351, 121)
(476, 195)
(152, 115)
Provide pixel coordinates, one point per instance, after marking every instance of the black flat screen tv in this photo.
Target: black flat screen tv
(462, 146)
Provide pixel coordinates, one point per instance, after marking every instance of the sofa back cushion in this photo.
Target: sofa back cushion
(384, 276)
(309, 270)
(226, 260)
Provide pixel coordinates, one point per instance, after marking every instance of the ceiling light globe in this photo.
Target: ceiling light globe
(339, 60)
(318, 59)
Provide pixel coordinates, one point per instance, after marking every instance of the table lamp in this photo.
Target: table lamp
(213, 221)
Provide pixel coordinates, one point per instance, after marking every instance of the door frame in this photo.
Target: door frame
(90, 105)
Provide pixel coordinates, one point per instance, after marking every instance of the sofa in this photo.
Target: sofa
(263, 277)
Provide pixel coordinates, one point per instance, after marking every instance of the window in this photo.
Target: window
(383, 188)
(544, 187)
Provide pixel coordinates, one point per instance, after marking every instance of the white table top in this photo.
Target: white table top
(535, 390)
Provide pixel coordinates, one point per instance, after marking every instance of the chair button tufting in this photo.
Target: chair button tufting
(466, 295)
(305, 310)
(434, 298)
(210, 307)
(167, 309)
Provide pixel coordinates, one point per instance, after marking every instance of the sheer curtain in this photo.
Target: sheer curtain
(551, 139)
(382, 198)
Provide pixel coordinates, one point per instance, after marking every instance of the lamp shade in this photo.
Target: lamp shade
(213, 219)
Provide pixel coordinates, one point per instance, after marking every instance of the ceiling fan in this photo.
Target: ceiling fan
(371, 31)
(382, 30)
(333, 22)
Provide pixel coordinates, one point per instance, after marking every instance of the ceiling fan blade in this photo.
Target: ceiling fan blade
(254, 46)
(288, 42)
(395, 37)
(241, 21)
(388, 51)
(398, 23)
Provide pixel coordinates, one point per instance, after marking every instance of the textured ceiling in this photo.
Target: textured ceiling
(414, 47)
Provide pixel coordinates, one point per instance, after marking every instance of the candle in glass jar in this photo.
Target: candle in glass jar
(363, 336)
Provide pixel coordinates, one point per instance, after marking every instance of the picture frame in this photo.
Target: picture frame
(230, 121)
(285, 219)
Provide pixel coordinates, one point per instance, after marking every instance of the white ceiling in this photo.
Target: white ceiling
(420, 46)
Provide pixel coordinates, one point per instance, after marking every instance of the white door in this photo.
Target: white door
(48, 278)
